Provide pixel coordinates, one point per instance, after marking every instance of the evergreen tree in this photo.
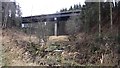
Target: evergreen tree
(75, 7)
(90, 14)
(71, 8)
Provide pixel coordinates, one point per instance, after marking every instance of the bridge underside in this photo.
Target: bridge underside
(52, 24)
(50, 28)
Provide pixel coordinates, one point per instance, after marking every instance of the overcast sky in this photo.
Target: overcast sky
(37, 7)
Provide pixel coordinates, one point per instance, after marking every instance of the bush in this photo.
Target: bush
(73, 25)
(118, 49)
(94, 48)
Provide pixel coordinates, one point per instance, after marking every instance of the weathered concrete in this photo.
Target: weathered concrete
(55, 32)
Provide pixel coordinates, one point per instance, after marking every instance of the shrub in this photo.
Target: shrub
(73, 25)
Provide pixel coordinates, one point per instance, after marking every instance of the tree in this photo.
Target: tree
(10, 16)
(0, 14)
(111, 22)
(71, 8)
(99, 20)
(5, 13)
(90, 15)
(75, 7)
(18, 19)
(73, 25)
(64, 9)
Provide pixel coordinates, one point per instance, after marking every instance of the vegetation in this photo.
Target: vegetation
(93, 38)
(73, 25)
(99, 22)
(11, 15)
(75, 7)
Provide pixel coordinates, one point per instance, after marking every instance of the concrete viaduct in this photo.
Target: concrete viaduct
(55, 18)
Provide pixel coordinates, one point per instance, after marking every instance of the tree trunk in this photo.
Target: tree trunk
(0, 14)
(111, 23)
(99, 19)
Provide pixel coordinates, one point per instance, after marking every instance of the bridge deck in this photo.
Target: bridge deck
(51, 16)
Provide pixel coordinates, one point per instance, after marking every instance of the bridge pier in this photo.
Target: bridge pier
(57, 20)
(55, 27)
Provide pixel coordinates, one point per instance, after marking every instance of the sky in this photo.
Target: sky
(38, 7)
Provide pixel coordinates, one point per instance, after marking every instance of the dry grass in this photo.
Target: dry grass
(13, 54)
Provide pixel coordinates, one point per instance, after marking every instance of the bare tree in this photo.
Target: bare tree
(0, 14)
(73, 25)
(5, 14)
(111, 16)
(99, 19)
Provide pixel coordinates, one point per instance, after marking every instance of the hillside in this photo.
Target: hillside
(21, 49)
(81, 49)
(14, 43)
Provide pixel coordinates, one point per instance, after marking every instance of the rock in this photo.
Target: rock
(12, 50)
(26, 53)
(58, 38)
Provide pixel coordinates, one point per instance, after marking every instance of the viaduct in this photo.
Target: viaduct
(58, 19)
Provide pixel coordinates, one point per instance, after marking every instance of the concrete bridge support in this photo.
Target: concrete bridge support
(55, 29)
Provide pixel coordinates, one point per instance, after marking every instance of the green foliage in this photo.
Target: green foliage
(75, 7)
(89, 15)
(32, 48)
(53, 47)
(64, 9)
